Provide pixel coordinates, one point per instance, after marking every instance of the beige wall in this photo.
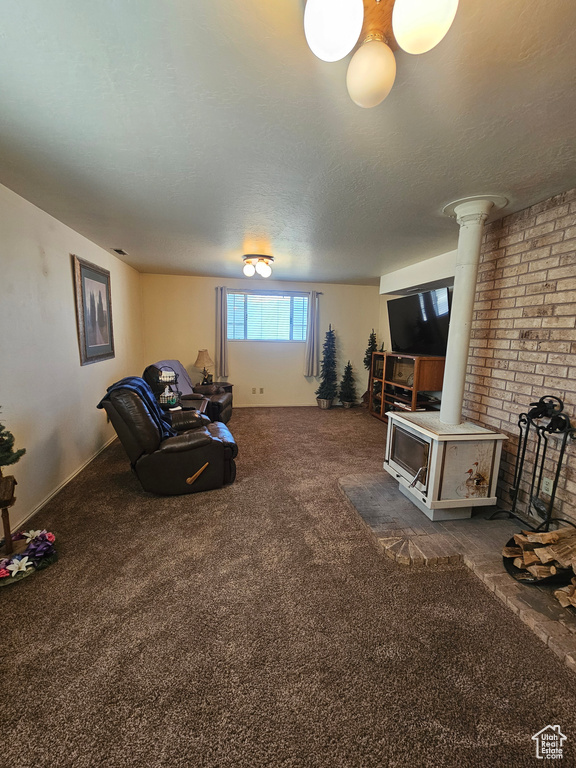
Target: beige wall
(48, 399)
(180, 319)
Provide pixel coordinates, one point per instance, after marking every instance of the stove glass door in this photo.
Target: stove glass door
(411, 454)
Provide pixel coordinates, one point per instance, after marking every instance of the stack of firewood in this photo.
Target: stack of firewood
(540, 555)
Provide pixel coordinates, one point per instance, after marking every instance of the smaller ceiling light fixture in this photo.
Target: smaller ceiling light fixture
(255, 263)
(204, 361)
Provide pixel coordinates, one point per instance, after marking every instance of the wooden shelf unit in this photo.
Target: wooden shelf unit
(398, 382)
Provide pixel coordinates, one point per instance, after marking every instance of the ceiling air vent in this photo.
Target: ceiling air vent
(119, 251)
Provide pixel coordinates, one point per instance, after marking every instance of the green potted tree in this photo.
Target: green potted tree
(7, 456)
(372, 347)
(328, 388)
(7, 453)
(348, 387)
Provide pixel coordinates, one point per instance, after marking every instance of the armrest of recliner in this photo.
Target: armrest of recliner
(221, 432)
(185, 420)
(186, 442)
(200, 402)
(209, 390)
(222, 399)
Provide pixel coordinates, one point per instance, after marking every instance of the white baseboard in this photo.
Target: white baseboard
(53, 493)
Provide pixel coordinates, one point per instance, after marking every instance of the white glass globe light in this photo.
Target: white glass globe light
(419, 25)
(249, 269)
(263, 269)
(371, 74)
(332, 27)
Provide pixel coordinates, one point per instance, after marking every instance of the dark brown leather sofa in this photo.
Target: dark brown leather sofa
(196, 456)
(220, 402)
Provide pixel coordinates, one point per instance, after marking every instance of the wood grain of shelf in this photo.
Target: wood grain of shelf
(427, 373)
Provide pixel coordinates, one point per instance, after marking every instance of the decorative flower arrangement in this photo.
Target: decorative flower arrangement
(40, 552)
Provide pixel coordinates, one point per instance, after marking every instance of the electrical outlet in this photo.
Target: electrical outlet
(253, 390)
(547, 486)
(261, 390)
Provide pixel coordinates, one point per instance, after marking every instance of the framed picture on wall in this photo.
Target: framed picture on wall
(93, 311)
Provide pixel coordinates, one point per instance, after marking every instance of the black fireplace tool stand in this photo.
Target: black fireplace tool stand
(544, 419)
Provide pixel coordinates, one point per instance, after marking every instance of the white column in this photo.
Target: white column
(471, 215)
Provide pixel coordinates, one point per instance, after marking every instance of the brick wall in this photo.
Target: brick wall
(524, 333)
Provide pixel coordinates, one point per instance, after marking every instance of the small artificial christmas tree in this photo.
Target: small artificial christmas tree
(348, 386)
(7, 456)
(372, 347)
(329, 383)
(7, 453)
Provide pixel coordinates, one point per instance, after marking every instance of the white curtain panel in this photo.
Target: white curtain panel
(312, 356)
(221, 356)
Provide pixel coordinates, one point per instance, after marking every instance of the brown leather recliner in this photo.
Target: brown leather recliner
(220, 402)
(199, 456)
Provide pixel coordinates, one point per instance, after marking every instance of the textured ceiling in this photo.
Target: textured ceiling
(188, 132)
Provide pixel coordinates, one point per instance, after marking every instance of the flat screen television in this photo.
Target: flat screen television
(419, 323)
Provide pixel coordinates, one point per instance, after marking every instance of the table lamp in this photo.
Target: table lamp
(204, 361)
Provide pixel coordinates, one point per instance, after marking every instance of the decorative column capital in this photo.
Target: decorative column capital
(474, 210)
(465, 219)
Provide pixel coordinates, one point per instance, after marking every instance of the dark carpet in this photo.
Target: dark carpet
(260, 625)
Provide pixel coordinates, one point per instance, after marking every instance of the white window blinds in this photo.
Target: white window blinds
(259, 316)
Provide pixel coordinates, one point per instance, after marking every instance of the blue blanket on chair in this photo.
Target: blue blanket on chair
(142, 389)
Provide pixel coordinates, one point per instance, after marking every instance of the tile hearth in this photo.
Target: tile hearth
(407, 536)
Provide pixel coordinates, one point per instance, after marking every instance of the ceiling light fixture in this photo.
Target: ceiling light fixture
(371, 72)
(419, 25)
(256, 263)
(334, 27)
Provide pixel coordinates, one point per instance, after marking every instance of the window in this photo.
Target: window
(255, 316)
(439, 300)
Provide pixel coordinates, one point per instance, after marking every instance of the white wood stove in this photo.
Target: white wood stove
(444, 469)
